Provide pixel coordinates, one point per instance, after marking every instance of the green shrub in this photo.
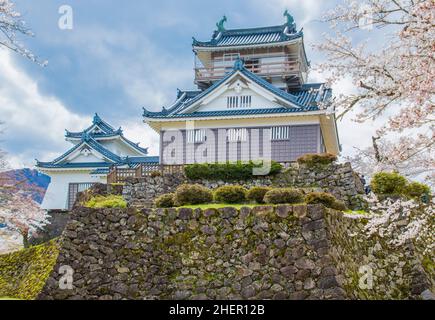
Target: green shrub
(192, 194)
(109, 201)
(154, 174)
(226, 171)
(165, 201)
(339, 205)
(283, 195)
(386, 183)
(230, 194)
(317, 159)
(327, 199)
(257, 194)
(417, 190)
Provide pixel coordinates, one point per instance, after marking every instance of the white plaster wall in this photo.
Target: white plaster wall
(56, 196)
(220, 103)
(119, 148)
(85, 159)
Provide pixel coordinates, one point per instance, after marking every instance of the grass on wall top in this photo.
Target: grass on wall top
(23, 273)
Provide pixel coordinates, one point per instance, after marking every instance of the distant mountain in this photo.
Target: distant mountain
(30, 181)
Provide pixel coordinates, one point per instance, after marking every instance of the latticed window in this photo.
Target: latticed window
(239, 102)
(280, 133)
(236, 135)
(195, 136)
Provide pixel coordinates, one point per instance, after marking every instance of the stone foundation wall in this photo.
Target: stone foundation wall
(282, 252)
(371, 268)
(338, 179)
(57, 220)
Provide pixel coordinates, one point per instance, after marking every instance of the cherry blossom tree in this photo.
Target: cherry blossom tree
(22, 214)
(18, 211)
(395, 82)
(3, 162)
(401, 221)
(12, 25)
(402, 156)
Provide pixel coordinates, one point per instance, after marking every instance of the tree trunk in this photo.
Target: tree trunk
(25, 236)
(378, 156)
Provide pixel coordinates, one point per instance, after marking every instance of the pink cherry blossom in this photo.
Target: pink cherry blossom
(395, 82)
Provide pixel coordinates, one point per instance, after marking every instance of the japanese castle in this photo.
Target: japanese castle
(94, 151)
(252, 102)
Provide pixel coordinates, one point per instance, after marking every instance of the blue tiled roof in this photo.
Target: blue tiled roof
(252, 36)
(102, 124)
(127, 161)
(312, 94)
(152, 159)
(241, 112)
(88, 139)
(104, 151)
(108, 132)
(101, 171)
(84, 165)
(306, 99)
(78, 135)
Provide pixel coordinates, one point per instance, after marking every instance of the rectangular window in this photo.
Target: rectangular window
(239, 102)
(231, 56)
(195, 136)
(236, 135)
(280, 133)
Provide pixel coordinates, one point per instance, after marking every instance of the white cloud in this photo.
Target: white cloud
(139, 132)
(352, 134)
(30, 117)
(147, 74)
(304, 11)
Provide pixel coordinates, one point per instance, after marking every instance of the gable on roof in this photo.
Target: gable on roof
(102, 132)
(98, 145)
(263, 95)
(207, 104)
(237, 92)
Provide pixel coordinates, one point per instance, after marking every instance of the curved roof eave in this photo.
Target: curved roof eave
(242, 46)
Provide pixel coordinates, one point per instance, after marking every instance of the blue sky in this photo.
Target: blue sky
(119, 57)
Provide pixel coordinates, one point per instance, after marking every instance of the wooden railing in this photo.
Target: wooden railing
(216, 69)
(120, 175)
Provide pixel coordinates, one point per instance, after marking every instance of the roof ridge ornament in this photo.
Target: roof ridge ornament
(86, 136)
(239, 64)
(220, 24)
(291, 25)
(96, 118)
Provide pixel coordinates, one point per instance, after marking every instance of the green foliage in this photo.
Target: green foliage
(192, 194)
(230, 194)
(219, 206)
(416, 190)
(165, 201)
(226, 171)
(339, 205)
(284, 196)
(154, 174)
(23, 273)
(257, 194)
(388, 183)
(317, 159)
(109, 201)
(327, 199)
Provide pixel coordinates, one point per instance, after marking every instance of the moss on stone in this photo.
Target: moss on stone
(24, 273)
(109, 201)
